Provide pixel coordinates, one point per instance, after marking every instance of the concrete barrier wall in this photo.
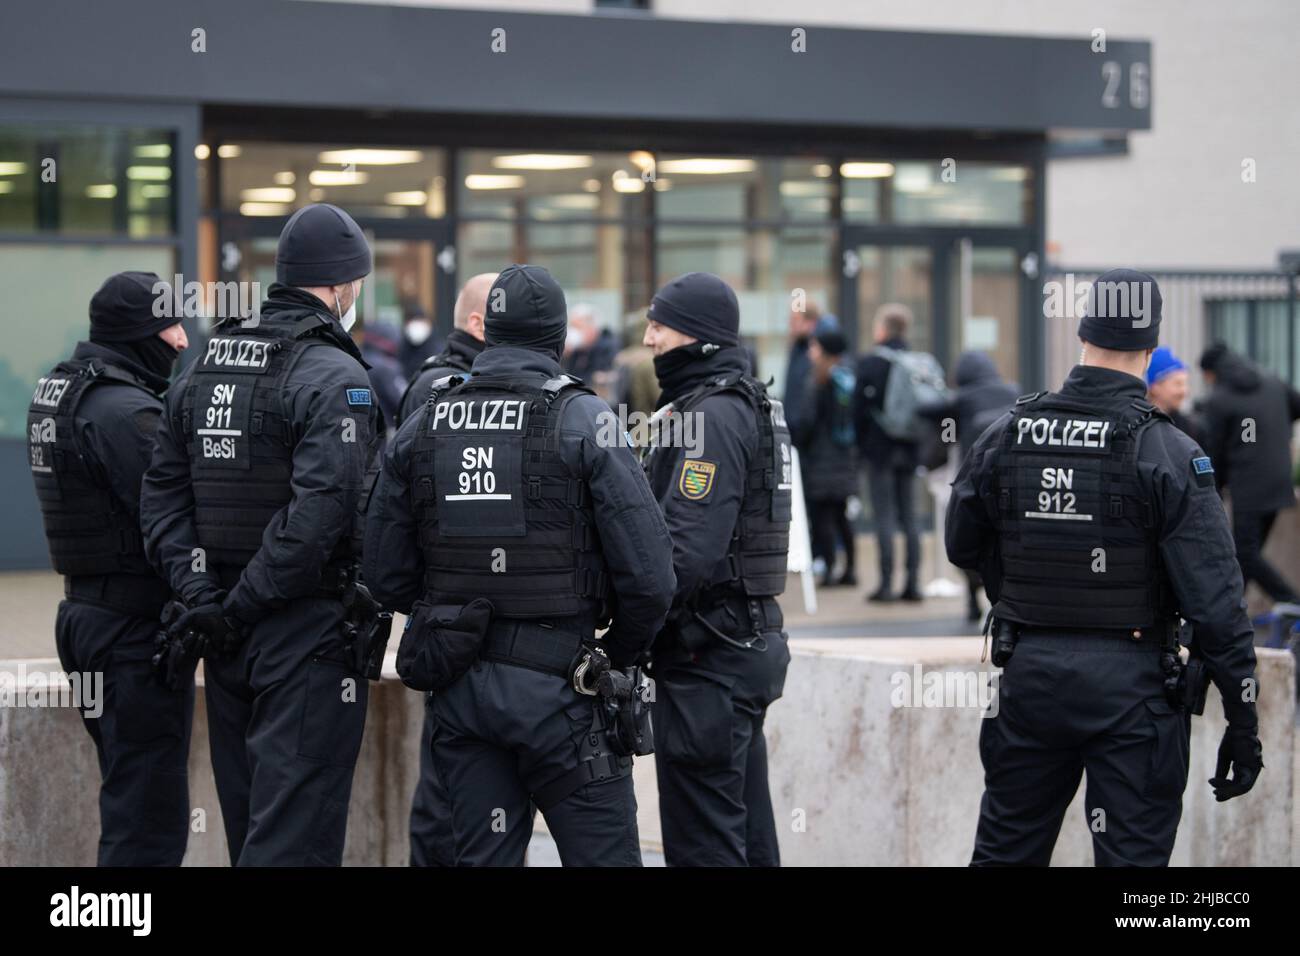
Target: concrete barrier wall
(855, 780)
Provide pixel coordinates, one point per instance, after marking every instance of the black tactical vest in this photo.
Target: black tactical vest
(88, 531)
(1076, 531)
(501, 514)
(240, 436)
(757, 554)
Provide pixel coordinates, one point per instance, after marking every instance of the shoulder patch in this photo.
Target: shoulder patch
(358, 397)
(696, 479)
(1203, 470)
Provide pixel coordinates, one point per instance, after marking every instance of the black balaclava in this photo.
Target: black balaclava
(526, 307)
(123, 318)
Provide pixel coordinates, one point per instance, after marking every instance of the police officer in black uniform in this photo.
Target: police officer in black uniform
(252, 505)
(91, 427)
(463, 344)
(431, 838)
(510, 527)
(722, 658)
(1095, 523)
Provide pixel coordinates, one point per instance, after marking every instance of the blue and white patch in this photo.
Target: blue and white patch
(358, 397)
(1203, 471)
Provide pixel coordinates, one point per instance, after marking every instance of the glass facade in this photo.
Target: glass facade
(274, 179)
(948, 191)
(77, 204)
(48, 287)
(90, 181)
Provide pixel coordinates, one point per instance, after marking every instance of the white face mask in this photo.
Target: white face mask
(572, 340)
(348, 318)
(418, 331)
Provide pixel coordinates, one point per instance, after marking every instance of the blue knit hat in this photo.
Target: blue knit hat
(1163, 362)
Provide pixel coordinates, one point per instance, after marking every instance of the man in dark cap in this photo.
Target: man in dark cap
(252, 506)
(1247, 419)
(91, 427)
(721, 659)
(464, 343)
(510, 528)
(1094, 522)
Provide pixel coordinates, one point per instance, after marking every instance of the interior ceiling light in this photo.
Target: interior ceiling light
(337, 177)
(154, 151)
(285, 178)
(542, 161)
(148, 173)
(229, 151)
(489, 181)
(269, 194)
(866, 170)
(101, 191)
(703, 166)
(263, 209)
(371, 157)
(414, 197)
(12, 169)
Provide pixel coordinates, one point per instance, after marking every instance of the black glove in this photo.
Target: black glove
(1240, 750)
(224, 633)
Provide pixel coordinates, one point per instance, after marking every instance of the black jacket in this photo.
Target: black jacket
(828, 464)
(1256, 472)
(328, 477)
(980, 398)
(1195, 542)
(462, 348)
(874, 444)
(633, 538)
(701, 528)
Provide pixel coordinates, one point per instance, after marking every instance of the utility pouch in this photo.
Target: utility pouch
(441, 642)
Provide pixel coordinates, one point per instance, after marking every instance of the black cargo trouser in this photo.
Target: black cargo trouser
(711, 756)
(286, 715)
(501, 734)
(141, 732)
(1074, 703)
(432, 843)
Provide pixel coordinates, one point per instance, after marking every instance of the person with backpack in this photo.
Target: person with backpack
(826, 439)
(893, 383)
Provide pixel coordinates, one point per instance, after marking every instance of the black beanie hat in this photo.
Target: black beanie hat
(124, 309)
(700, 305)
(526, 307)
(321, 245)
(832, 341)
(1213, 356)
(1122, 312)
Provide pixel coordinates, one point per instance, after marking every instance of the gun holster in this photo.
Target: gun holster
(367, 629)
(176, 654)
(1186, 684)
(622, 705)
